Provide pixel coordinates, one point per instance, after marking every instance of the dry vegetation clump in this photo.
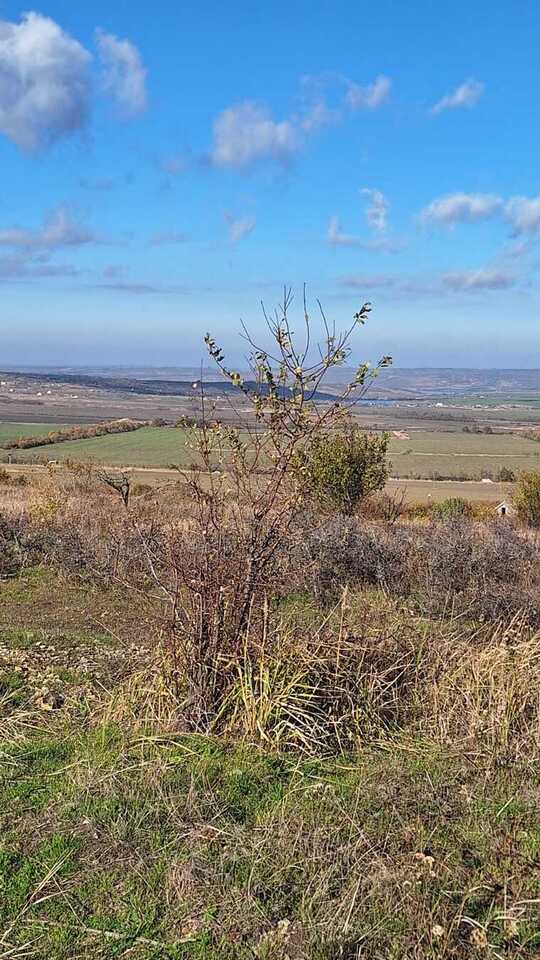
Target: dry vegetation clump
(461, 564)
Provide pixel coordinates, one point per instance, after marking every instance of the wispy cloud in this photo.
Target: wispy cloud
(100, 184)
(466, 96)
(168, 238)
(377, 211)
(127, 287)
(123, 74)
(371, 95)
(482, 280)
(487, 278)
(336, 236)
(239, 228)
(462, 208)
(31, 267)
(59, 230)
(523, 213)
(44, 82)
(377, 219)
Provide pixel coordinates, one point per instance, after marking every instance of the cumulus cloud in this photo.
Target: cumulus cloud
(123, 74)
(370, 96)
(462, 208)
(247, 133)
(58, 230)
(377, 211)
(239, 228)
(44, 82)
(523, 213)
(466, 95)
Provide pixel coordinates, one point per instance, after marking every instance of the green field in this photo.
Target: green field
(149, 446)
(424, 454)
(10, 431)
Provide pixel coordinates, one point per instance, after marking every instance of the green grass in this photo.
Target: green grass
(186, 847)
(149, 446)
(425, 454)
(462, 444)
(122, 836)
(10, 431)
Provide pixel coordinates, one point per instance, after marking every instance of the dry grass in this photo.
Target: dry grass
(365, 789)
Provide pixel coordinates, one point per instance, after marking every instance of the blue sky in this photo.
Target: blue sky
(166, 166)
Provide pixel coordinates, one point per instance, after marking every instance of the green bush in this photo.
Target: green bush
(339, 470)
(505, 475)
(527, 498)
(451, 509)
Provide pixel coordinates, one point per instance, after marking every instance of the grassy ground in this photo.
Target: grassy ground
(10, 431)
(461, 454)
(450, 454)
(414, 491)
(123, 837)
(152, 446)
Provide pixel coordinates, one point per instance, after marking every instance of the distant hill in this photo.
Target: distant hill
(393, 383)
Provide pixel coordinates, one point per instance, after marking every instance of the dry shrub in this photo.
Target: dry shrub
(487, 570)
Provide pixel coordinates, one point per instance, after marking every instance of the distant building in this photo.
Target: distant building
(505, 509)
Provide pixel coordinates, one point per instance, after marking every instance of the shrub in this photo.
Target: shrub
(527, 498)
(505, 475)
(214, 582)
(341, 469)
(451, 509)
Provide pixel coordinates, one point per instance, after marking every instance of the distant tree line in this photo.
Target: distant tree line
(86, 432)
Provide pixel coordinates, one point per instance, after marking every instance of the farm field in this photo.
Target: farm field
(149, 446)
(423, 454)
(10, 431)
(457, 454)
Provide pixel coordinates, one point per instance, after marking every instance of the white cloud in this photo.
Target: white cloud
(239, 228)
(524, 214)
(462, 208)
(123, 73)
(44, 82)
(58, 230)
(370, 96)
(486, 278)
(338, 238)
(466, 95)
(247, 133)
(377, 212)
